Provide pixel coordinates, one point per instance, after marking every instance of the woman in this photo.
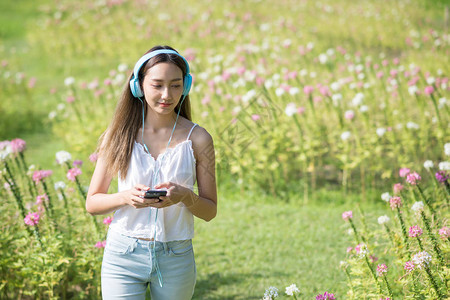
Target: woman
(149, 242)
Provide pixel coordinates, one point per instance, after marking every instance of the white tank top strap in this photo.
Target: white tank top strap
(191, 131)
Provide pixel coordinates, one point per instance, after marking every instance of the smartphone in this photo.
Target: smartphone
(154, 194)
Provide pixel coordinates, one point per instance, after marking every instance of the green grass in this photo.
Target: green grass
(256, 243)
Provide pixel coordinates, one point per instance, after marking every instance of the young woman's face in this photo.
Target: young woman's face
(163, 86)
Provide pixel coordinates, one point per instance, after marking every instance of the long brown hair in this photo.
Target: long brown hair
(116, 143)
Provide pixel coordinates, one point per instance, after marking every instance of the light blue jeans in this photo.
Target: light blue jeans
(129, 266)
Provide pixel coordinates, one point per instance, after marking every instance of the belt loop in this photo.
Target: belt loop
(166, 248)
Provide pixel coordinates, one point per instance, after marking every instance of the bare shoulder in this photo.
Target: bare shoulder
(202, 142)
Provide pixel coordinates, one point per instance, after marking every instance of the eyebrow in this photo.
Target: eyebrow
(161, 80)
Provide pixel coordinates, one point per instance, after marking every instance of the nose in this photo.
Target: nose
(166, 94)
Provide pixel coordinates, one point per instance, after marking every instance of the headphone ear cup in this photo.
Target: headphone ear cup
(187, 84)
(135, 88)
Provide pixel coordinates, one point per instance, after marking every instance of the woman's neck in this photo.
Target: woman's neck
(155, 122)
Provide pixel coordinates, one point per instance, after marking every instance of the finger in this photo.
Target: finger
(163, 185)
(141, 187)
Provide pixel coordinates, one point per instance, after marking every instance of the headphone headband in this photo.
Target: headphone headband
(134, 82)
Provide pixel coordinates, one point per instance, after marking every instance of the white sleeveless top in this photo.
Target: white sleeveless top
(176, 222)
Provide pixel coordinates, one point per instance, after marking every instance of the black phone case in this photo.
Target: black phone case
(154, 194)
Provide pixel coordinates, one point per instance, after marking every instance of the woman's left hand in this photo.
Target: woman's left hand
(175, 193)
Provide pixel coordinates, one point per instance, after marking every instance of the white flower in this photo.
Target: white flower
(323, 58)
(385, 196)
(412, 125)
(5, 152)
(428, 164)
(447, 149)
(236, 110)
(303, 72)
(383, 220)
(310, 45)
(294, 91)
(279, 92)
(343, 264)
(444, 166)
(268, 84)
(381, 131)
(421, 259)
(291, 109)
(248, 96)
(60, 185)
(443, 100)
(431, 80)
(271, 293)
(412, 90)
(363, 108)
(69, 81)
(335, 86)
(62, 157)
(350, 231)
(52, 115)
(345, 135)
(122, 67)
(417, 207)
(292, 289)
(357, 100)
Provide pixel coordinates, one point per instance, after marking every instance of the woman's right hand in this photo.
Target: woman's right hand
(135, 197)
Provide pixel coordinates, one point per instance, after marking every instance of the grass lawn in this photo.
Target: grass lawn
(256, 243)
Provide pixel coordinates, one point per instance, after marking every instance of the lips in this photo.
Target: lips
(164, 104)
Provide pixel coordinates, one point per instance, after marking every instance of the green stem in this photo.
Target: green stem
(405, 235)
(420, 243)
(433, 282)
(426, 200)
(432, 237)
(388, 287)
(373, 274)
(354, 230)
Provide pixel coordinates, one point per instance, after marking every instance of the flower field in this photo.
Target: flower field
(301, 97)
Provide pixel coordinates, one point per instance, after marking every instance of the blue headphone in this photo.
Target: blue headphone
(134, 82)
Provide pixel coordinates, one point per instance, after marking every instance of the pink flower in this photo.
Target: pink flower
(403, 172)
(93, 157)
(409, 266)
(107, 220)
(70, 99)
(382, 270)
(32, 219)
(415, 231)
(413, 178)
(32, 82)
(379, 74)
(444, 232)
(308, 89)
(346, 215)
(349, 249)
(300, 110)
(397, 188)
(349, 114)
(373, 258)
(206, 100)
(41, 174)
(429, 90)
(77, 163)
(100, 244)
(395, 202)
(41, 198)
(73, 173)
(17, 145)
(256, 117)
(326, 296)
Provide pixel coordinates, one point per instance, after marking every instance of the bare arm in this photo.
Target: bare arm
(99, 202)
